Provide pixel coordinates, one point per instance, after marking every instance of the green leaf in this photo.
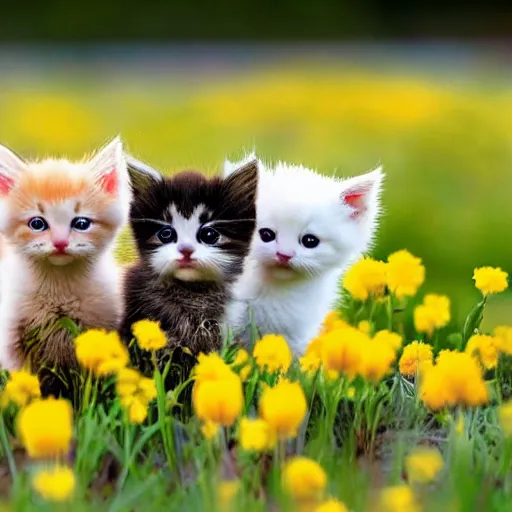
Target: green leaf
(454, 341)
(67, 323)
(473, 321)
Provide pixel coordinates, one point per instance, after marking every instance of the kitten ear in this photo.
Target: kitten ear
(242, 184)
(109, 167)
(11, 165)
(141, 174)
(230, 167)
(362, 194)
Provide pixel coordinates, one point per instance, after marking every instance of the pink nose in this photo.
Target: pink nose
(283, 258)
(186, 250)
(60, 245)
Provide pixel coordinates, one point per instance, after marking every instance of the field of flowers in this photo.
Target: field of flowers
(401, 404)
(389, 409)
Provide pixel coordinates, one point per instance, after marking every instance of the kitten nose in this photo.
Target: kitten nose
(60, 245)
(186, 250)
(284, 258)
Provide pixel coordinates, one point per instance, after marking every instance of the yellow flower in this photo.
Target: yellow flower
(405, 273)
(46, 427)
(256, 435)
(219, 401)
(149, 335)
(226, 491)
(398, 498)
(309, 364)
(455, 379)
(209, 429)
(484, 349)
(55, 484)
(245, 372)
(210, 367)
(136, 407)
(490, 280)
(100, 352)
(304, 479)
(241, 358)
(434, 313)
(505, 417)
(332, 321)
(283, 407)
(331, 505)
(341, 350)
(127, 381)
(365, 278)
(272, 353)
(423, 464)
(376, 361)
(21, 388)
(503, 339)
(392, 339)
(365, 326)
(413, 355)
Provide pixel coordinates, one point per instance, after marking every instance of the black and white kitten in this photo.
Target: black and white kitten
(192, 234)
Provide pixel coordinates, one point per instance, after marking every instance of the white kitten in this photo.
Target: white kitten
(310, 228)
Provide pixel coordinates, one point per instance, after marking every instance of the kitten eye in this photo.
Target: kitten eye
(267, 235)
(208, 236)
(37, 224)
(81, 223)
(167, 235)
(310, 241)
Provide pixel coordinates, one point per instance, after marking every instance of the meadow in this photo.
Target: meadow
(402, 403)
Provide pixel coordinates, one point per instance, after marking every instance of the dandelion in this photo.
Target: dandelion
(398, 498)
(283, 407)
(219, 401)
(256, 435)
(505, 417)
(136, 408)
(331, 505)
(392, 339)
(423, 464)
(101, 352)
(413, 356)
(376, 361)
(304, 479)
(149, 335)
(332, 321)
(341, 350)
(242, 357)
(484, 348)
(21, 388)
(405, 273)
(55, 484)
(365, 278)
(210, 367)
(209, 429)
(226, 492)
(272, 353)
(434, 313)
(490, 280)
(135, 392)
(455, 379)
(46, 427)
(364, 326)
(309, 364)
(503, 339)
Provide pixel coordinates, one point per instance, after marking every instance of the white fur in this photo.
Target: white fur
(210, 262)
(294, 201)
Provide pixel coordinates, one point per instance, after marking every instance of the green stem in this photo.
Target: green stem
(7, 447)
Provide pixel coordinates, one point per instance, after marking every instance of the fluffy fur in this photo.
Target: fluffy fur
(53, 265)
(287, 287)
(192, 234)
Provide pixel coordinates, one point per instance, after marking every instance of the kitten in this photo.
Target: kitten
(309, 228)
(192, 234)
(59, 220)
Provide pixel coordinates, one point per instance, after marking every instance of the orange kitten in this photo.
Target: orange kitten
(59, 220)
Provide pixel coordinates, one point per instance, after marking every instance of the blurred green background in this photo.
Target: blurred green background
(437, 117)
